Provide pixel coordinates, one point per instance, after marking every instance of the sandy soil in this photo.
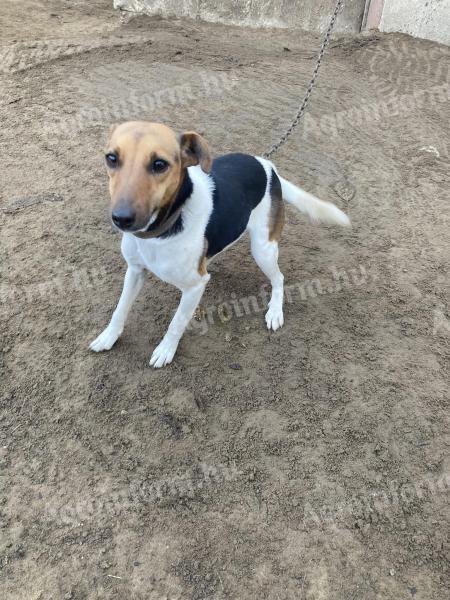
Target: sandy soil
(308, 464)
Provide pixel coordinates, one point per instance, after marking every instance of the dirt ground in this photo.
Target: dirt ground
(312, 463)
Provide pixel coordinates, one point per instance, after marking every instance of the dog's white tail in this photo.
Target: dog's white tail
(317, 210)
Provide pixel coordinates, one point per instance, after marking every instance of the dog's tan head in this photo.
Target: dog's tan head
(146, 165)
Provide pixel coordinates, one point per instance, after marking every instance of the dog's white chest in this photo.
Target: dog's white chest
(173, 261)
(174, 264)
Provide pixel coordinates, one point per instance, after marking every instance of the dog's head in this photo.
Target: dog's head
(146, 164)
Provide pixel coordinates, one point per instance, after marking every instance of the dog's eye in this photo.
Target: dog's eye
(159, 166)
(112, 160)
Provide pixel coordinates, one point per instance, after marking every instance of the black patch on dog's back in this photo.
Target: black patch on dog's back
(240, 184)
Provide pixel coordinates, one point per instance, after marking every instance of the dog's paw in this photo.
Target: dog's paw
(274, 318)
(163, 354)
(106, 339)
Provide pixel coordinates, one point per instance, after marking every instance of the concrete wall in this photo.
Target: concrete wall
(312, 15)
(421, 18)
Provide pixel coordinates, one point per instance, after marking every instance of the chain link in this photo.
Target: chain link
(304, 104)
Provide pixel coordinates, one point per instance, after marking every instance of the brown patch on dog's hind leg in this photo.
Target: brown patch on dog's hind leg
(277, 209)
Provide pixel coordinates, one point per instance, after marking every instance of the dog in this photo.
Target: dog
(178, 209)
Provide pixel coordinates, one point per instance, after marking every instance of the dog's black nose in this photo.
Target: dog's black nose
(124, 218)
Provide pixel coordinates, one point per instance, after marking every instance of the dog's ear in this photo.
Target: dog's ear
(195, 151)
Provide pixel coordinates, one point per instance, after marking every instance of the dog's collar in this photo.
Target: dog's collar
(168, 217)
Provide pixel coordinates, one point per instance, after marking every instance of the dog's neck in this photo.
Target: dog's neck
(169, 218)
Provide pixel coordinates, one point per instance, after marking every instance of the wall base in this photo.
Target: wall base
(312, 15)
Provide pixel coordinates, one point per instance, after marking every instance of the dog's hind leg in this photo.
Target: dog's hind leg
(265, 227)
(265, 253)
(134, 279)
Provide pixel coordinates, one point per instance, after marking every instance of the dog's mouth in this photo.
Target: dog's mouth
(133, 227)
(150, 222)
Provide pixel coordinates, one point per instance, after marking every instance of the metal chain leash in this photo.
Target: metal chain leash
(303, 106)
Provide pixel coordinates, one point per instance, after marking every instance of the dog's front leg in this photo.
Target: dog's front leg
(165, 351)
(134, 279)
